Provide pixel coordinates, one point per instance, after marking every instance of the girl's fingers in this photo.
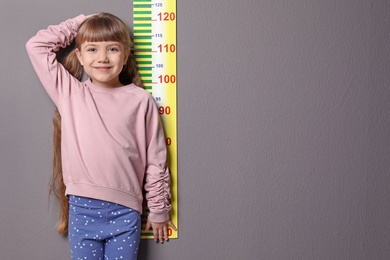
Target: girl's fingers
(155, 234)
(170, 223)
(161, 236)
(165, 233)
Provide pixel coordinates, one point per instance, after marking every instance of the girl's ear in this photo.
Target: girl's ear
(79, 57)
(126, 57)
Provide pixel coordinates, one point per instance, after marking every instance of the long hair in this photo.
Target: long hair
(99, 27)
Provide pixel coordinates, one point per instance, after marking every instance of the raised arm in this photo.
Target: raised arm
(42, 48)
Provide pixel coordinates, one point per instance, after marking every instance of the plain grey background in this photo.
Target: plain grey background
(283, 126)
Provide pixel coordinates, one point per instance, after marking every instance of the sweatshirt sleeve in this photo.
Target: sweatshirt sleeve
(41, 49)
(157, 176)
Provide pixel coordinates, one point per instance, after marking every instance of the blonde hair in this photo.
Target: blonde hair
(96, 28)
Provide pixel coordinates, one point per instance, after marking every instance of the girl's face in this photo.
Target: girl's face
(103, 62)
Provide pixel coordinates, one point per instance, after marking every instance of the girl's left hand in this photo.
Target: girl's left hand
(160, 230)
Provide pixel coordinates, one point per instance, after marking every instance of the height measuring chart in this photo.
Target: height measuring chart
(155, 52)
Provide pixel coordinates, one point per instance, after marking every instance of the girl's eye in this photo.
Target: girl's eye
(113, 49)
(91, 49)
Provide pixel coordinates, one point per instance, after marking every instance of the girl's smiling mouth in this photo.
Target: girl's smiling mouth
(102, 68)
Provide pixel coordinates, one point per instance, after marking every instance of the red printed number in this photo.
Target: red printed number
(167, 48)
(167, 78)
(164, 110)
(167, 16)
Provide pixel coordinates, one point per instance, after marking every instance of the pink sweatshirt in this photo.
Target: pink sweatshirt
(112, 138)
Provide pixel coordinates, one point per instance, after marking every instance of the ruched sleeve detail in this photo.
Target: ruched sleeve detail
(157, 175)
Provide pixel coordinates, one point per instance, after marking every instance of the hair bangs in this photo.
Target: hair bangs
(102, 28)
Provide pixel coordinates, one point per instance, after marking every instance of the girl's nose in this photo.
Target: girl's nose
(103, 57)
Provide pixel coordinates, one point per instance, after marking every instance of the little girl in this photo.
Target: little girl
(112, 142)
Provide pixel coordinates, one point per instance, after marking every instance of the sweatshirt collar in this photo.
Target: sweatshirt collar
(95, 88)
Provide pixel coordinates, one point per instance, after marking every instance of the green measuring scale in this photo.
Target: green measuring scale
(155, 52)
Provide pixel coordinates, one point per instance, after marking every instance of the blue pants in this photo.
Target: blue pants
(102, 230)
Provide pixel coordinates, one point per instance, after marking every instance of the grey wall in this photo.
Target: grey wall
(284, 149)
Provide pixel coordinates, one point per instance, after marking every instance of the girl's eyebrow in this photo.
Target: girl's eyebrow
(90, 44)
(94, 44)
(116, 44)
